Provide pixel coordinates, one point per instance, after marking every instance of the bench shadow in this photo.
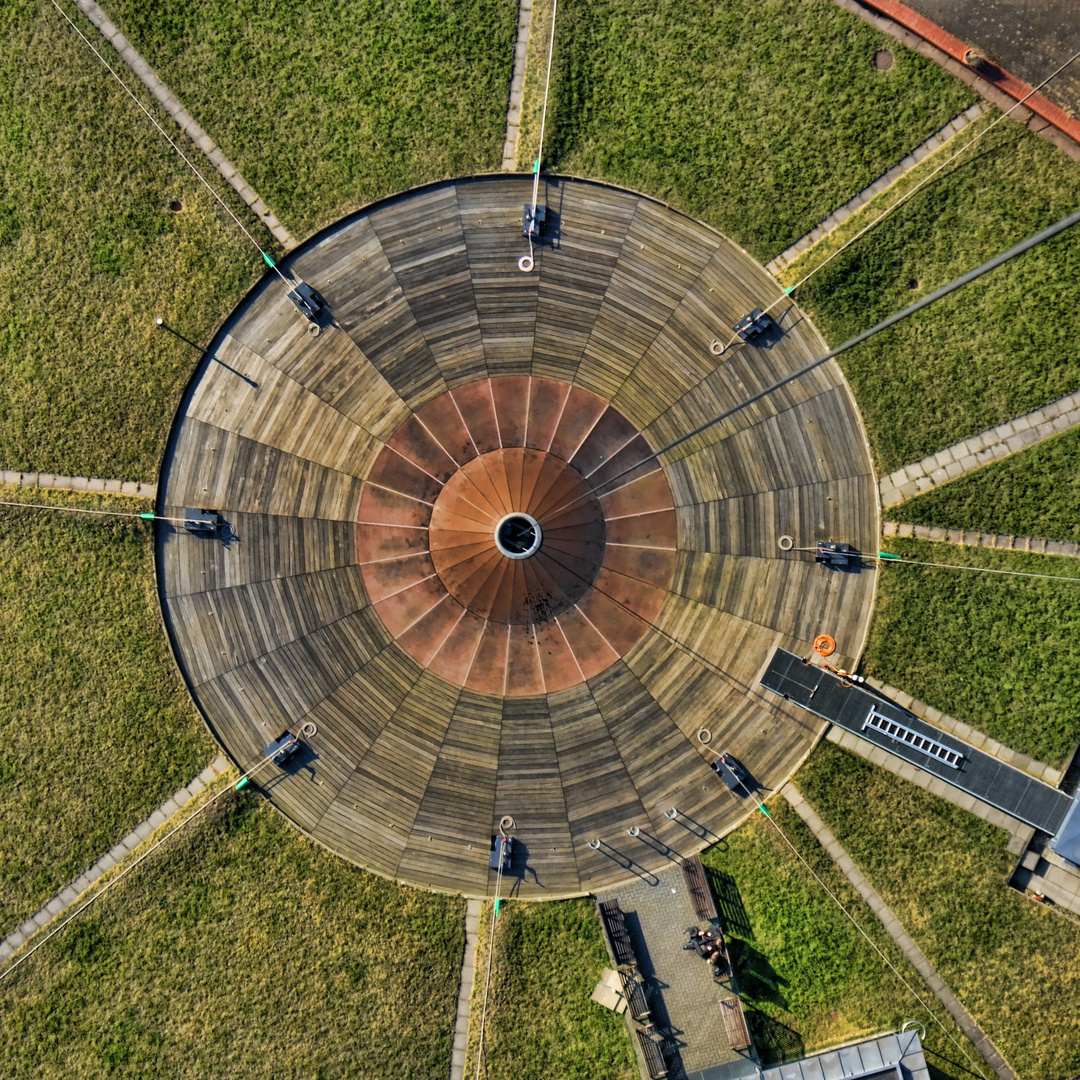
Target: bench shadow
(775, 1042)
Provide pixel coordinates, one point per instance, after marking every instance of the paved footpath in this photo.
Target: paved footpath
(468, 978)
(899, 935)
(77, 483)
(517, 87)
(936, 141)
(68, 896)
(981, 449)
(184, 120)
(970, 538)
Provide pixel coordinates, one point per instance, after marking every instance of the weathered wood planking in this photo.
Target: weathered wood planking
(400, 771)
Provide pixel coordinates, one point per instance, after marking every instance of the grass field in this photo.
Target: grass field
(1033, 493)
(999, 653)
(1015, 966)
(242, 949)
(757, 116)
(90, 254)
(96, 726)
(540, 1021)
(808, 979)
(997, 348)
(325, 105)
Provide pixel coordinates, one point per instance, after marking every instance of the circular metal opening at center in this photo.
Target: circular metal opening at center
(518, 536)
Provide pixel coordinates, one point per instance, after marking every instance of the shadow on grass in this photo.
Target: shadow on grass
(733, 917)
(775, 1042)
(758, 980)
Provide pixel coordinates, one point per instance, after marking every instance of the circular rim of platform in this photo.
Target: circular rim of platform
(605, 877)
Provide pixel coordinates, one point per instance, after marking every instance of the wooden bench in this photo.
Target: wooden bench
(615, 933)
(636, 1001)
(652, 1055)
(738, 1035)
(700, 893)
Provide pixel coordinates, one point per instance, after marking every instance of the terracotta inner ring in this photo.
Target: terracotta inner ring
(527, 566)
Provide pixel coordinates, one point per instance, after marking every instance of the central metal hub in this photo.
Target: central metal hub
(518, 535)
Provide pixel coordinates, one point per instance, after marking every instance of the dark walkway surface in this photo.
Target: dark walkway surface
(1000, 785)
(1030, 38)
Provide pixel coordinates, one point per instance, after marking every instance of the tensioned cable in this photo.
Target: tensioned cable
(907, 195)
(873, 944)
(977, 569)
(858, 339)
(522, 265)
(491, 951)
(164, 134)
(127, 869)
(99, 513)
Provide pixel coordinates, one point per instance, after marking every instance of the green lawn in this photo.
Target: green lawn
(241, 949)
(325, 105)
(1000, 653)
(1014, 965)
(1000, 347)
(540, 1021)
(757, 116)
(807, 978)
(90, 254)
(96, 725)
(1033, 493)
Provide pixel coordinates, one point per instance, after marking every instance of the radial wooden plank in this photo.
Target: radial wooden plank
(409, 771)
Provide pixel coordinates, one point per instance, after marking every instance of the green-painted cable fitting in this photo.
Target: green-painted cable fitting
(147, 517)
(887, 555)
(789, 290)
(269, 262)
(241, 783)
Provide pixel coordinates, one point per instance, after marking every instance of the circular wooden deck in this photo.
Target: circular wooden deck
(365, 470)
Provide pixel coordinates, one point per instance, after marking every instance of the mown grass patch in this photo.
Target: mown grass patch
(995, 349)
(96, 725)
(997, 652)
(757, 116)
(540, 1020)
(90, 255)
(242, 949)
(807, 977)
(323, 105)
(1033, 493)
(1015, 966)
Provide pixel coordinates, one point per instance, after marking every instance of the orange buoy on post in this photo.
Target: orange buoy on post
(824, 645)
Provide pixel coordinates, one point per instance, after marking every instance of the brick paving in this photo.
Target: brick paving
(682, 994)
(970, 538)
(915, 955)
(55, 482)
(185, 121)
(936, 141)
(517, 87)
(68, 895)
(1031, 38)
(981, 449)
(998, 77)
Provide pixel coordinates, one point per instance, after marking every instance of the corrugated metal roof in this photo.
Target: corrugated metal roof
(897, 1056)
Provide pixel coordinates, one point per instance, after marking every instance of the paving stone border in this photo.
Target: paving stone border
(185, 121)
(978, 450)
(517, 87)
(77, 483)
(970, 538)
(883, 182)
(1045, 773)
(991, 1055)
(468, 978)
(1020, 832)
(67, 896)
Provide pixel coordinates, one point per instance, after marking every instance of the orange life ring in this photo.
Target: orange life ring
(824, 645)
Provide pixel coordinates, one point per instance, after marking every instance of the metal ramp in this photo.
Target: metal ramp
(901, 733)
